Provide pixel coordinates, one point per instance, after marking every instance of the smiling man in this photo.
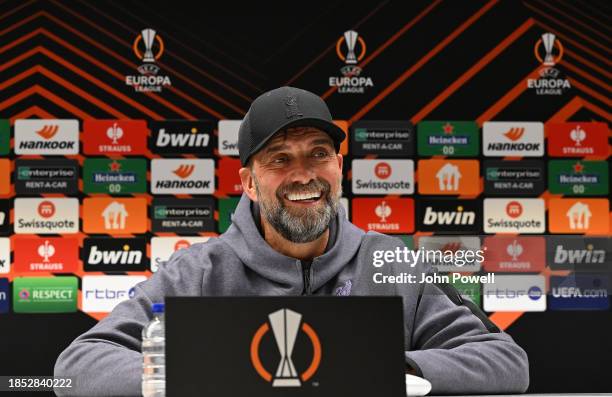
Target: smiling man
(290, 236)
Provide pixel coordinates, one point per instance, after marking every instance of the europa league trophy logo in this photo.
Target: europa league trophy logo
(285, 325)
(350, 37)
(549, 41)
(148, 35)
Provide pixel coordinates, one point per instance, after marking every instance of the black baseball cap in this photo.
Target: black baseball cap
(282, 108)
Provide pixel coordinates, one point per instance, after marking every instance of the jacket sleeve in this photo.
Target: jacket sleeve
(107, 360)
(460, 351)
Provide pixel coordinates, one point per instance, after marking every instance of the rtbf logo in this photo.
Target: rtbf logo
(515, 293)
(524, 139)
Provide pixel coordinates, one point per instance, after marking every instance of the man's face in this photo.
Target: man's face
(297, 180)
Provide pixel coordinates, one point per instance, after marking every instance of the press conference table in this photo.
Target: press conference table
(530, 395)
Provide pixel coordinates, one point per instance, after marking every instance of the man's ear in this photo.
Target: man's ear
(340, 161)
(248, 183)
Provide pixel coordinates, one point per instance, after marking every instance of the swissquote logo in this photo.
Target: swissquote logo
(5, 255)
(181, 136)
(228, 137)
(351, 49)
(115, 254)
(524, 139)
(149, 80)
(514, 215)
(46, 216)
(47, 136)
(286, 325)
(182, 176)
(383, 177)
(548, 51)
(162, 248)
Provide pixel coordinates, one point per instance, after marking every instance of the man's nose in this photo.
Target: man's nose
(302, 173)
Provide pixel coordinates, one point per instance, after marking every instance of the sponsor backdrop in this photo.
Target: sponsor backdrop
(469, 123)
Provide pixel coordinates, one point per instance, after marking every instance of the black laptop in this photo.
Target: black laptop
(284, 346)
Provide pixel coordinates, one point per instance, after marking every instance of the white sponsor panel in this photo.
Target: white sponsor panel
(46, 215)
(47, 136)
(508, 138)
(512, 215)
(163, 247)
(228, 137)
(100, 294)
(436, 249)
(182, 176)
(345, 204)
(383, 176)
(5, 255)
(515, 293)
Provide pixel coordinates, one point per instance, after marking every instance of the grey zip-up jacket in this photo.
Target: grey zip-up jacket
(448, 340)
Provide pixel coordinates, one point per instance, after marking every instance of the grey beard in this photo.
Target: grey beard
(304, 228)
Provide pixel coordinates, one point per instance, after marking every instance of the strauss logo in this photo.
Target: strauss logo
(114, 133)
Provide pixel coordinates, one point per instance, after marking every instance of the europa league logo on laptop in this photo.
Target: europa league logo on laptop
(285, 324)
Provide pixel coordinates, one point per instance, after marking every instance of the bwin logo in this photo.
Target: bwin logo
(459, 217)
(579, 256)
(118, 257)
(186, 139)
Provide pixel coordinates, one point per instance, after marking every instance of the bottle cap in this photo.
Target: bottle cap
(158, 308)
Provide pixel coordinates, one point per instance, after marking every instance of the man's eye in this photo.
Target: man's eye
(321, 153)
(279, 160)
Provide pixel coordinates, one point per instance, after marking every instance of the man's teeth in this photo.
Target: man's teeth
(303, 196)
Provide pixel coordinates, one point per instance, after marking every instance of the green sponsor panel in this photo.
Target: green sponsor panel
(45, 294)
(578, 178)
(470, 290)
(448, 138)
(5, 136)
(408, 240)
(115, 176)
(227, 207)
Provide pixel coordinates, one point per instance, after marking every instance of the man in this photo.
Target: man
(290, 236)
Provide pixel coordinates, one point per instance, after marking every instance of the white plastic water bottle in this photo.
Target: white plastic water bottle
(153, 354)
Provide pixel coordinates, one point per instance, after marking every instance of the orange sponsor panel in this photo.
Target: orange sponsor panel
(448, 177)
(5, 176)
(344, 144)
(114, 215)
(579, 216)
